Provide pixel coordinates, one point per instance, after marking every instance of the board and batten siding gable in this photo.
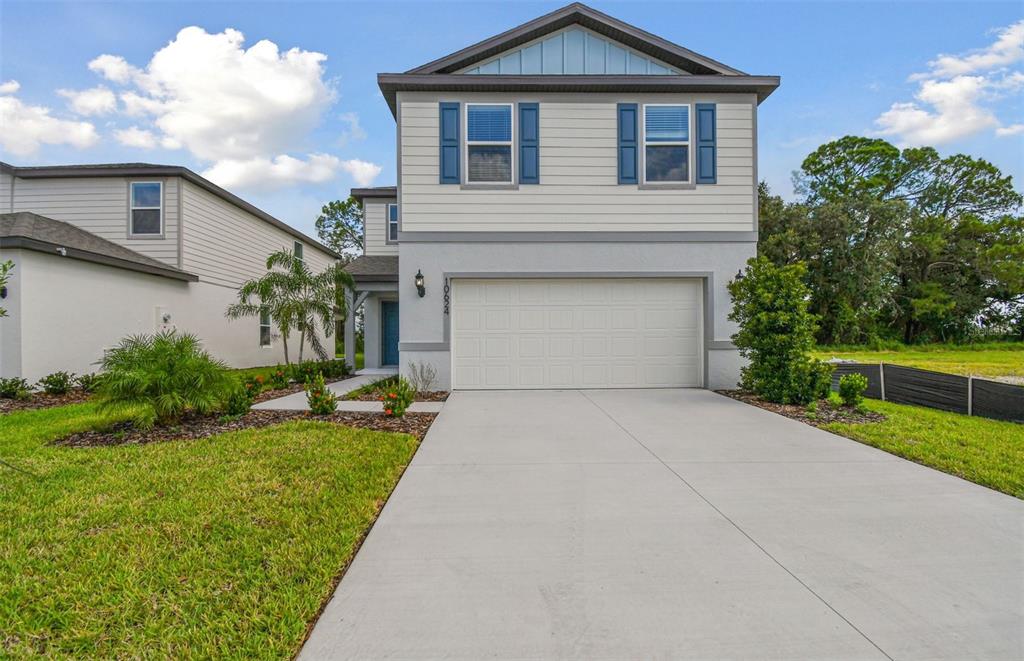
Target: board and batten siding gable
(375, 224)
(100, 205)
(226, 245)
(579, 189)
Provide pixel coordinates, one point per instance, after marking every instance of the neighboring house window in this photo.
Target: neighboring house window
(392, 222)
(489, 144)
(298, 251)
(147, 208)
(264, 328)
(666, 144)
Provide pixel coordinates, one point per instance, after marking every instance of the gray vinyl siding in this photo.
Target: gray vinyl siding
(5, 192)
(225, 245)
(375, 220)
(579, 189)
(100, 205)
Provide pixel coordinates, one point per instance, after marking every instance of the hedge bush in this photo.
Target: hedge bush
(851, 389)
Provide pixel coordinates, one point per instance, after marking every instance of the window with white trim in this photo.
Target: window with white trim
(264, 328)
(392, 223)
(297, 251)
(666, 144)
(146, 208)
(489, 153)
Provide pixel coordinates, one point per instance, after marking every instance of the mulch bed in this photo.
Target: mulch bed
(196, 427)
(293, 388)
(41, 400)
(826, 414)
(433, 396)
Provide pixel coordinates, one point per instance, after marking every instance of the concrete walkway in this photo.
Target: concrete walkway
(673, 524)
(297, 400)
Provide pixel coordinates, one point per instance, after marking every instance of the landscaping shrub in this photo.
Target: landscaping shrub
(159, 378)
(333, 369)
(88, 382)
(422, 376)
(58, 383)
(279, 378)
(14, 388)
(239, 401)
(397, 398)
(305, 371)
(851, 389)
(777, 333)
(321, 400)
(253, 385)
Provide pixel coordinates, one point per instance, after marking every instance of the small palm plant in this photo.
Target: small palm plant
(159, 378)
(296, 299)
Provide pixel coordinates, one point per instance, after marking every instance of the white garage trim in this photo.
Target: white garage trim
(573, 332)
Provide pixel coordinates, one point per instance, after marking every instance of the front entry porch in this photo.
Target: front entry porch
(376, 295)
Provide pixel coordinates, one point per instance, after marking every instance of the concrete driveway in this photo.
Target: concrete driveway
(673, 524)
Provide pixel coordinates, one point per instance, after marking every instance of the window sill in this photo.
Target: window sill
(490, 186)
(691, 186)
(146, 236)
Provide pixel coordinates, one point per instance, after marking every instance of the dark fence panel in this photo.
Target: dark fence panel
(1002, 401)
(872, 372)
(906, 385)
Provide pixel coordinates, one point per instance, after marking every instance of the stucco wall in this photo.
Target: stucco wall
(423, 322)
(72, 310)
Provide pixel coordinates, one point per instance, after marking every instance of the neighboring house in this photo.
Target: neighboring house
(576, 193)
(104, 251)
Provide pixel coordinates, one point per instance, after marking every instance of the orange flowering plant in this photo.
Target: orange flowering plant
(397, 398)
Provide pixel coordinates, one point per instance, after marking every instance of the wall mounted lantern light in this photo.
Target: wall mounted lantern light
(419, 283)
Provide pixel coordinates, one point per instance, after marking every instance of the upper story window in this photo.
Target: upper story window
(489, 143)
(392, 223)
(297, 251)
(147, 213)
(666, 144)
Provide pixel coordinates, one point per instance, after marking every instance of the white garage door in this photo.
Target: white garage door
(576, 333)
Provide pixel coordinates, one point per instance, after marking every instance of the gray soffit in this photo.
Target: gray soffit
(29, 231)
(579, 14)
(153, 170)
(378, 191)
(374, 268)
(392, 83)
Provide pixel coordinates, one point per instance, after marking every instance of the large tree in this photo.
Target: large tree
(900, 244)
(340, 226)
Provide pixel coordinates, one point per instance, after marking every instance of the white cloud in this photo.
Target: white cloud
(246, 111)
(955, 98)
(1012, 129)
(353, 129)
(363, 172)
(95, 101)
(10, 87)
(26, 127)
(114, 68)
(1007, 49)
(273, 172)
(133, 136)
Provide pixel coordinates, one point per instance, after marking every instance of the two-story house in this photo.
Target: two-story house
(105, 251)
(573, 197)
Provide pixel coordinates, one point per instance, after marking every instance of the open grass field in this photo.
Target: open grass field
(987, 452)
(994, 359)
(221, 547)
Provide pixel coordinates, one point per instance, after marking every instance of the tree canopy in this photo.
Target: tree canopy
(901, 244)
(340, 226)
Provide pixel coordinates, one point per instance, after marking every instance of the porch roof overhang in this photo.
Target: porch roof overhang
(371, 271)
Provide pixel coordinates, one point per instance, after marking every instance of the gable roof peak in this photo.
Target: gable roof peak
(580, 14)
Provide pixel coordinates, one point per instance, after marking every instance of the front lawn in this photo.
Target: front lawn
(224, 546)
(987, 452)
(993, 359)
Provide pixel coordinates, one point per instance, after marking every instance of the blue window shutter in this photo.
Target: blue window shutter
(529, 143)
(707, 156)
(450, 143)
(627, 143)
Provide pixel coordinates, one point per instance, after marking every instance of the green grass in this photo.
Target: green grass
(222, 547)
(989, 359)
(987, 452)
(251, 372)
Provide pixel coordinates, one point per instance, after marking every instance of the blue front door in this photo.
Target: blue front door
(389, 332)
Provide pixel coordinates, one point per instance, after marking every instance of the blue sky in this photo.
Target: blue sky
(212, 104)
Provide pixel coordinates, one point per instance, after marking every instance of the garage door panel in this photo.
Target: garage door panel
(591, 333)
